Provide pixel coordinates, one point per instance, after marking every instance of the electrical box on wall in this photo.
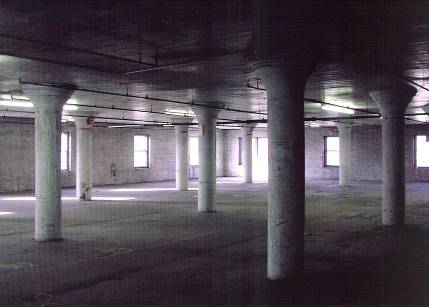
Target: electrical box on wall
(113, 171)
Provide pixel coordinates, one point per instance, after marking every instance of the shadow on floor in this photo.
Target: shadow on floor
(400, 276)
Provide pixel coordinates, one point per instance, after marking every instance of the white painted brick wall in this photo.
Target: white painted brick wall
(109, 146)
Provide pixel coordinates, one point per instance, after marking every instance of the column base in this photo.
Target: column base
(48, 240)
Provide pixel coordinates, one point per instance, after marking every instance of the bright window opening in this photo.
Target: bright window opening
(332, 151)
(260, 159)
(240, 151)
(422, 151)
(141, 151)
(65, 151)
(193, 151)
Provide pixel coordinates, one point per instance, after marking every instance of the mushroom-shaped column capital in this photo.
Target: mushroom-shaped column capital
(47, 97)
(284, 76)
(392, 96)
(205, 114)
(248, 129)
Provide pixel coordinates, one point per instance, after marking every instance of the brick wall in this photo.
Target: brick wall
(365, 155)
(110, 146)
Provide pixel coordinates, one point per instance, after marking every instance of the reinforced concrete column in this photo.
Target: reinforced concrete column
(207, 159)
(48, 103)
(247, 133)
(84, 157)
(182, 157)
(285, 84)
(345, 133)
(393, 100)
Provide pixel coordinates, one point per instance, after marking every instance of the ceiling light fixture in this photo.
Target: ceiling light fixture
(338, 109)
(70, 107)
(124, 126)
(15, 103)
(67, 119)
(19, 97)
(178, 112)
(228, 127)
(6, 96)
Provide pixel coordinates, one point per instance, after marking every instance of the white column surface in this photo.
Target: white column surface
(83, 158)
(286, 193)
(48, 103)
(247, 154)
(393, 102)
(182, 157)
(207, 160)
(345, 135)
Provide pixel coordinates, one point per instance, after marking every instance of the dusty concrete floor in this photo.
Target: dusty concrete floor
(153, 248)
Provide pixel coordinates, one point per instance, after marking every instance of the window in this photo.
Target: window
(260, 159)
(193, 151)
(332, 151)
(65, 152)
(141, 151)
(422, 151)
(240, 151)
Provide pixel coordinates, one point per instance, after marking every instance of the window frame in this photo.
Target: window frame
(415, 151)
(190, 150)
(68, 152)
(325, 151)
(147, 151)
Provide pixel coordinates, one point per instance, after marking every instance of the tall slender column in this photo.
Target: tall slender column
(393, 100)
(285, 83)
(182, 157)
(207, 159)
(48, 103)
(247, 133)
(345, 133)
(84, 157)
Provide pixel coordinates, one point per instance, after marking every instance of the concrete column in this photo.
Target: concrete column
(84, 157)
(345, 133)
(393, 100)
(247, 133)
(285, 83)
(48, 103)
(207, 159)
(182, 157)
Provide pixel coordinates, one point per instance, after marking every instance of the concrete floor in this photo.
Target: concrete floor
(145, 244)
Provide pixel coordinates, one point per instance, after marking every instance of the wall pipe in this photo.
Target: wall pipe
(193, 104)
(229, 122)
(315, 100)
(70, 48)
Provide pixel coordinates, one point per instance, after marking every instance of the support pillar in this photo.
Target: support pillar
(48, 103)
(182, 157)
(285, 84)
(207, 159)
(345, 133)
(84, 157)
(247, 133)
(392, 100)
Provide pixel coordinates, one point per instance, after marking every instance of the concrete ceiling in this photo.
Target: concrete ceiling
(173, 49)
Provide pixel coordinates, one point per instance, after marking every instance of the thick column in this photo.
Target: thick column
(345, 133)
(285, 83)
(207, 159)
(182, 157)
(84, 157)
(393, 101)
(247, 133)
(48, 103)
